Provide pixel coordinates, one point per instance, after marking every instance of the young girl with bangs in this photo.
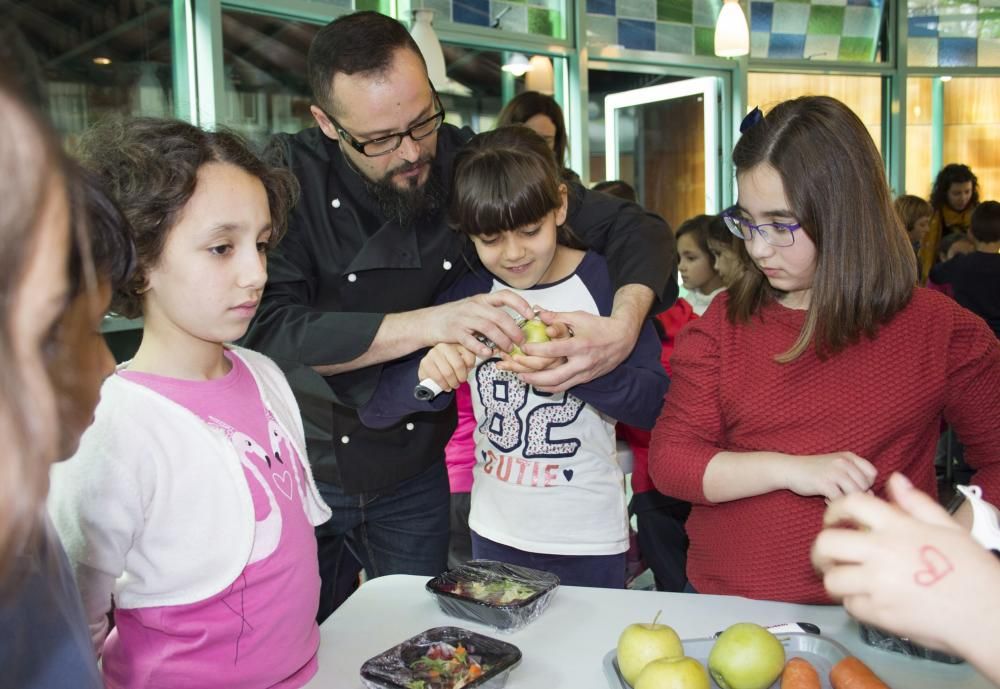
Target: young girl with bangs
(810, 377)
(189, 506)
(547, 490)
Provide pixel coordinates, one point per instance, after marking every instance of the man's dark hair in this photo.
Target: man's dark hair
(352, 44)
(986, 222)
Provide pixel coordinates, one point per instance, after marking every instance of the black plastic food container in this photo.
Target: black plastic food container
(505, 597)
(398, 668)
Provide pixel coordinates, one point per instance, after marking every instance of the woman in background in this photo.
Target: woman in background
(954, 196)
(541, 114)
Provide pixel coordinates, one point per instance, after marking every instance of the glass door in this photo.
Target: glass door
(664, 141)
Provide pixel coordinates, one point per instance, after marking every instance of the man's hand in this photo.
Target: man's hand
(459, 321)
(598, 345)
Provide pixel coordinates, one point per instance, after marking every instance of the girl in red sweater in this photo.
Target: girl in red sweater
(812, 377)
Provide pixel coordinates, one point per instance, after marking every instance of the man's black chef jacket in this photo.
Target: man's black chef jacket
(341, 267)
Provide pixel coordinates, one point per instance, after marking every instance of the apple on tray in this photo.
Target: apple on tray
(746, 656)
(673, 673)
(644, 642)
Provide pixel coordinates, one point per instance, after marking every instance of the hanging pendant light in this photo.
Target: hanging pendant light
(517, 64)
(732, 36)
(426, 39)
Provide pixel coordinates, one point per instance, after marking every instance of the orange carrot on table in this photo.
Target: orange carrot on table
(851, 673)
(799, 674)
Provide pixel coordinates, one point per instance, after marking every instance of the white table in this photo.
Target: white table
(566, 645)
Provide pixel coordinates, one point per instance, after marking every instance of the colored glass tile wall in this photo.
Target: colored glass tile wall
(669, 26)
(840, 30)
(950, 33)
(542, 17)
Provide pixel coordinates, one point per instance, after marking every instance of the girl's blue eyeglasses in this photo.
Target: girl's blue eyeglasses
(774, 233)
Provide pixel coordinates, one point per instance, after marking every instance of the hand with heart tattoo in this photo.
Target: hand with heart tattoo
(909, 568)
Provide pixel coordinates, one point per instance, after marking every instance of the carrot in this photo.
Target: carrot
(851, 673)
(800, 674)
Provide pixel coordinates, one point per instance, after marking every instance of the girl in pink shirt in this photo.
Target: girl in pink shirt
(190, 505)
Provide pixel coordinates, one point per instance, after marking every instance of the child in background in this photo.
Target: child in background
(728, 252)
(975, 277)
(695, 263)
(547, 490)
(660, 518)
(954, 196)
(915, 214)
(189, 505)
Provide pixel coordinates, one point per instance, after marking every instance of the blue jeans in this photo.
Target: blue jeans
(402, 530)
(602, 571)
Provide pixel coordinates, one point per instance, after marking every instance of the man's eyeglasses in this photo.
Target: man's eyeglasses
(389, 143)
(774, 233)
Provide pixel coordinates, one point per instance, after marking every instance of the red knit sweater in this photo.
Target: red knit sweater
(882, 399)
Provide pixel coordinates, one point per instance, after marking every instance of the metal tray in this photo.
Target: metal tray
(822, 652)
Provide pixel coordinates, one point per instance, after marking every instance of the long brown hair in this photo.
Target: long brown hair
(835, 183)
(30, 169)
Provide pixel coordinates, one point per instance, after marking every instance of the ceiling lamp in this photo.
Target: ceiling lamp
(517, 64)
(732, 36)
(423, 34)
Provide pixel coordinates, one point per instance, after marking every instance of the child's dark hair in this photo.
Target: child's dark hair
(910, 209)
(109, 248)
(503, 180)
(949, 240)
(986, 222)
(617, 187)
(953, 173)
(698, 228)
(150, 167)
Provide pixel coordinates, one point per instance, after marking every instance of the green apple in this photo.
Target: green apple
(534, 331)
(673, 673)
(644, 642)
(746, 656)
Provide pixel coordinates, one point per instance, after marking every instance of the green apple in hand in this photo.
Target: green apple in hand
(644, 642)
(746, 656)
(534, 331)
(673, 673)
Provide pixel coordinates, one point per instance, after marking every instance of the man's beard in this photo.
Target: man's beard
(411, 204)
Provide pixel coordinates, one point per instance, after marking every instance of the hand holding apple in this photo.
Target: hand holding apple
(644, 642)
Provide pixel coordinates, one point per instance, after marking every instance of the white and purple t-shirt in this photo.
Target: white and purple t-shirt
(260, 631)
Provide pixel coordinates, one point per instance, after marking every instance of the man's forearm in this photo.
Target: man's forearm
(399, 334)
(631, 305)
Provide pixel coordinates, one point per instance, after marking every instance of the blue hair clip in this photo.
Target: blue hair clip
(752, 118)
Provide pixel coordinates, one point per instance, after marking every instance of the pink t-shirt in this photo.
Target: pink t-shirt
(260, 631)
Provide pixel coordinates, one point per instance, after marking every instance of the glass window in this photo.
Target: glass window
(819, 30)
(661, 150)
(537, 17)
(667, 26)
(971, 122)
(99, 59)
(919, 136)
(267, 84)
(945, 33)
(862, 94)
